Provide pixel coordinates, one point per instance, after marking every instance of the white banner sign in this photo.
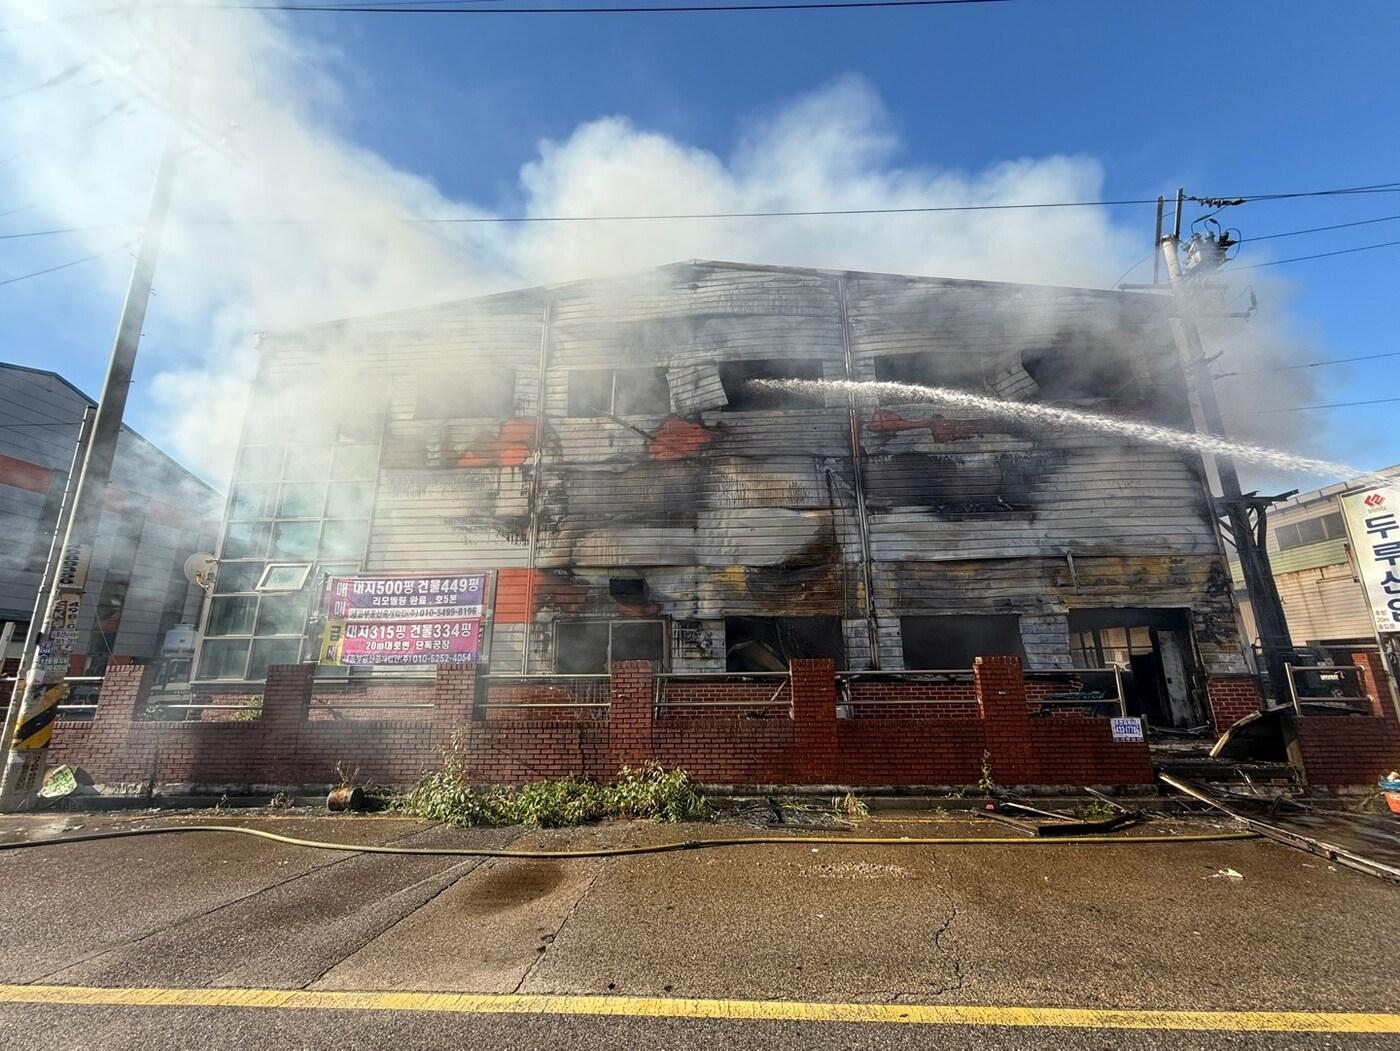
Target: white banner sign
(1373, 522)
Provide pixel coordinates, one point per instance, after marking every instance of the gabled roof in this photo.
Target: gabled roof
(49, 373)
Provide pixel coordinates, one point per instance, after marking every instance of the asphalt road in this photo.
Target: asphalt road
(1223, 927)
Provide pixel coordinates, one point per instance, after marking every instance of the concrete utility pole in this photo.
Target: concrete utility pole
(41, 600)
(47, 660)
(1233, 505)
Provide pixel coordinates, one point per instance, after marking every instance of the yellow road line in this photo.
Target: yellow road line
(726, 1010)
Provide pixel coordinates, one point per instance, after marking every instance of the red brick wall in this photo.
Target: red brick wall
(1350, 750)
(1340, 750)
(1232, 697)
(911, 699)
(924, 744)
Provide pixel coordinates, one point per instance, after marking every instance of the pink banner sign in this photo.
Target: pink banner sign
(407, 598)
(407, 642)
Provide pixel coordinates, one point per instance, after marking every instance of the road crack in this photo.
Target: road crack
(550, 940)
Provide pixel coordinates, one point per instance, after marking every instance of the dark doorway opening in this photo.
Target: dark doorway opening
(1162, 682)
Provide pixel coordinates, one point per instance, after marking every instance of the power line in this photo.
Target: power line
(425, 9)
(66, 230)
(62, 266)
(1307, 408)
(1310, 364)
(817, 213)
(1315, 255)
(1321, 229)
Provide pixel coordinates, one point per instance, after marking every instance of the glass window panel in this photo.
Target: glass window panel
(590, 392)
(350, 500)
(223, 659)
(231, 616)
(295, 539)
(291, 577)
(359, 427)
(1334, 526)
(252, 501)
(580, 647)
(344, 539)
(641, 392)
(282, 615)
(1141, 640)
(248, 540)
(356, 461)
(237, 576)
(642, 641)
(260, 463)
(307, 461)
(267, 652)
(1312, 531)
(1117, 637)
(302, 500)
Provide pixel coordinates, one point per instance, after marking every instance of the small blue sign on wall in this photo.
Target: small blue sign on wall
(1127, 728)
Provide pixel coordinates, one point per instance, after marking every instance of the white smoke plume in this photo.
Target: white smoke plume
(280, 219)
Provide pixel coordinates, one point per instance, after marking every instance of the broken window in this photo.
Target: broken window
(929, 369)
(1310, 531)
(954, 641)
(619, 392)
(735, 377)
(482, 394)
(587, 647)
(769, 643)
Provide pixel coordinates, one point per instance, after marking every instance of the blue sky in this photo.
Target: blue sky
(1250, 99)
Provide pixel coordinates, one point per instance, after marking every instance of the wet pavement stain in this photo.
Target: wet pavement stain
(506, 886)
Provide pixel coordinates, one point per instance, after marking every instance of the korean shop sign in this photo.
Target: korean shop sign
(1373, 523)
(404, 620)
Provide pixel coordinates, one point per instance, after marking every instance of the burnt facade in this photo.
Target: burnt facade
(600, 446)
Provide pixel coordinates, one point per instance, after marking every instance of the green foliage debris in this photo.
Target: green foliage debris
(651, 792)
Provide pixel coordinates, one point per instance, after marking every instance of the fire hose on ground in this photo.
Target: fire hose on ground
(626, 851)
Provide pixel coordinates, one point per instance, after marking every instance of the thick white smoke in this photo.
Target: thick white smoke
(280, 219)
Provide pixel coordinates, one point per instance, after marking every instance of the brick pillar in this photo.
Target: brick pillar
(106, 747)
(1376, 682)
(631, 707)
(816, 759)
(124, 690)
(286, 697)
(1001, 699)
(1232, 697)
(454, 699)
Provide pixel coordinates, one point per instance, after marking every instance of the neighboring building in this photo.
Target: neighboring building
(595, 444)
(157, 514)
(1311, 558)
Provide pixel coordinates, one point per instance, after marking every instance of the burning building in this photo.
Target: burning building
(601, 450)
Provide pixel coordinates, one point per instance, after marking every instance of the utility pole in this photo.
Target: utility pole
(1233, 506)
(47, 659)
(41, 600)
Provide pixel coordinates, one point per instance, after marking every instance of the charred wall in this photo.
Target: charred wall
(724, 513)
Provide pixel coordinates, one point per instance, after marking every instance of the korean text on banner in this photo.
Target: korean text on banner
(404, 620)
(1373, 522)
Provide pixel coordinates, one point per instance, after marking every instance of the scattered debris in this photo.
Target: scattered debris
(1056, 823)
(1225, 874)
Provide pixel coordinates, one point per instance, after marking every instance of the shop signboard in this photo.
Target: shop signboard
(1373, 523)
(404, 620)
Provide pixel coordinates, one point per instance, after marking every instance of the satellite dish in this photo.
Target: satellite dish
(201, 568)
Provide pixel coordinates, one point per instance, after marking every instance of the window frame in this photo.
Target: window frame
(658, 372)
(663, 662)
(263, 587)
